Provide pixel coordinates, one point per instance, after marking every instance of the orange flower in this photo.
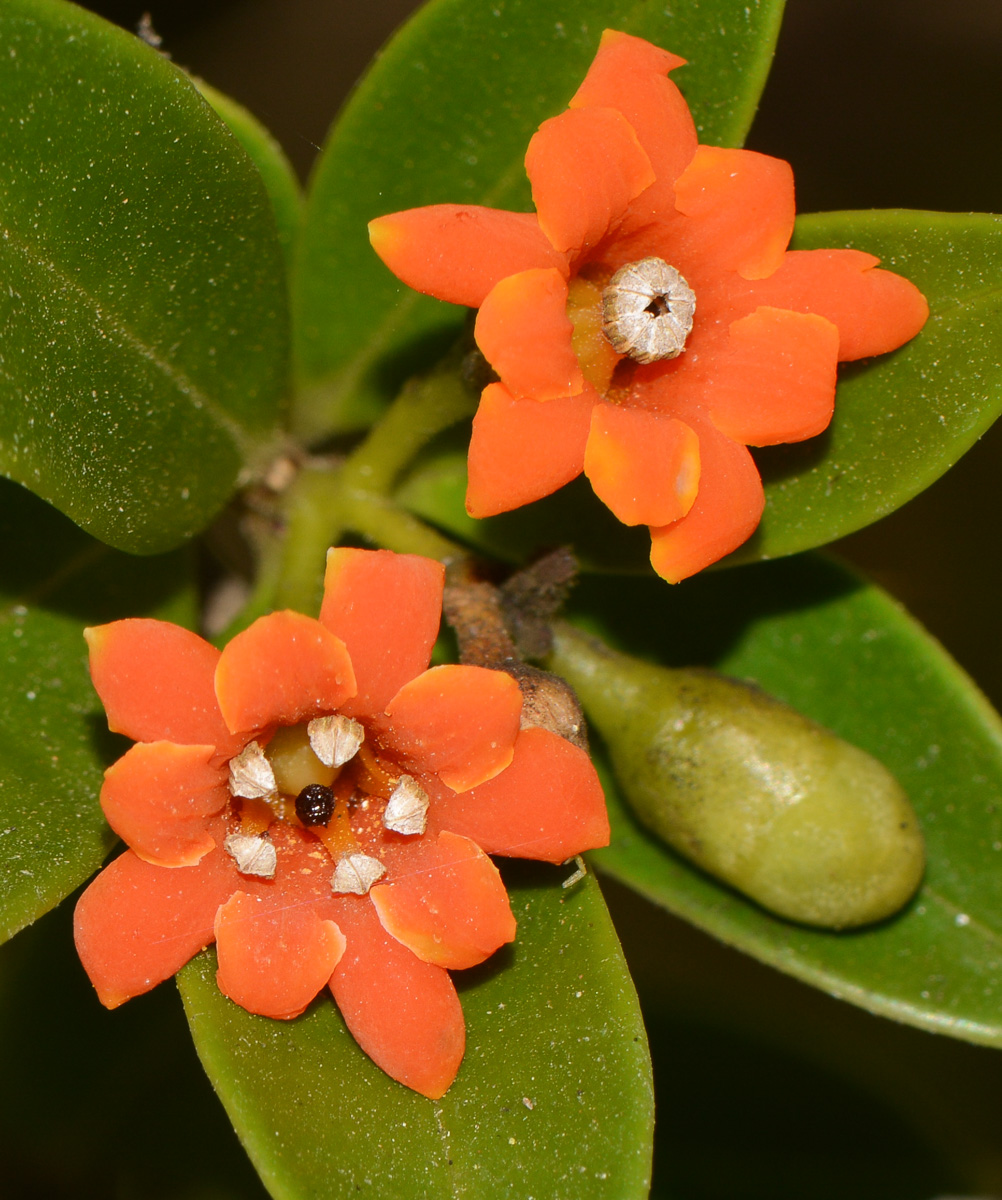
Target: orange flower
(321, 805)
(592, 377)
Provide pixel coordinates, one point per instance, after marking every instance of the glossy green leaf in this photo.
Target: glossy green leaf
(445, 115)
(143, 326)
(54, 743)
(903, 419)
(845, 654)
(267, 155)
(553, 1098)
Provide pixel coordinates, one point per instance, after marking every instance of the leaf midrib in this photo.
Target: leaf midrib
(114, 322)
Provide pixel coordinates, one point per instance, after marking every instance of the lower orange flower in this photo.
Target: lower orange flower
(321, 805)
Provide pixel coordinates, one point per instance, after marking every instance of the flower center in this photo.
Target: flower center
(648, 308)
(314, 776)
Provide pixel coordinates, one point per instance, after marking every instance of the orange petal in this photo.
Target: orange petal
(138, 924)
(458, 252)
(458, 722)
(525, 334)
(404, 1013)
(284, 669)
(157, 796)
(875, 310)
(522, 450)
(739, 212)
(547, 805)
(630, 75)
(274, 957)
(727, 510)
(445, 901)
(386, 608)
(155, 681)
(642, 465)
(775, 380)
(585, 166)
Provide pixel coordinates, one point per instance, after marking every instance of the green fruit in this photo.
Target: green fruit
(812, 828)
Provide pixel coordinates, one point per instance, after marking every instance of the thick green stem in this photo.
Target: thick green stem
(384, 522)
(325, 502)
(315, 521)
(422, 410)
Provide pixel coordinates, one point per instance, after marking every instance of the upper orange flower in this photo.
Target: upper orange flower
(598, 370)
(320, 804)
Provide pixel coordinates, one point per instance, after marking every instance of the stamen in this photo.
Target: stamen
(253, 855)
(335, 740)
(251, 775)
(356, 873)
(407, 808)
(648, 309)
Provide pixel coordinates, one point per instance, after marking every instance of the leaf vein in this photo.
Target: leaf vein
(113, 322)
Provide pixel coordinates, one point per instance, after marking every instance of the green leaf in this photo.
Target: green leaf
(845, 654)
(277, 173)
(143, 327)
(903, 419)
(553, 1098)
(54, 743)
(445, 115)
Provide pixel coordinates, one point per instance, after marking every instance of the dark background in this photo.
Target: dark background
(766, 1089)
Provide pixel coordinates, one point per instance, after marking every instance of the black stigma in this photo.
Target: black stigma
(315, 804)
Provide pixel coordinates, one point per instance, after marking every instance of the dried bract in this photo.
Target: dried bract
(251, 775)
(335, 740)
(407, 807)
(253, 855)
(578, 874)
(356, 873)
(648, 309)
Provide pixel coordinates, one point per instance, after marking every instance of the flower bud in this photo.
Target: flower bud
(809, 826)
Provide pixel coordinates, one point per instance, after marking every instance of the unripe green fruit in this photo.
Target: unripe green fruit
(811, 827)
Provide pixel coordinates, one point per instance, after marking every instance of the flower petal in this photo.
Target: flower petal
(585, 167)
(445, 901)
(547, 805)
(458, 722)
(525, 334)
(738, 212)
(727, 509)
(138, 924)
(458, 252)
(522, 450)
(642, 465)
(274, 957)
(875, 310)
(155, 680)
(404, 1013)
(630, 75)
(284, 669)
(775, 379)
(386, 608)
(157, 796)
